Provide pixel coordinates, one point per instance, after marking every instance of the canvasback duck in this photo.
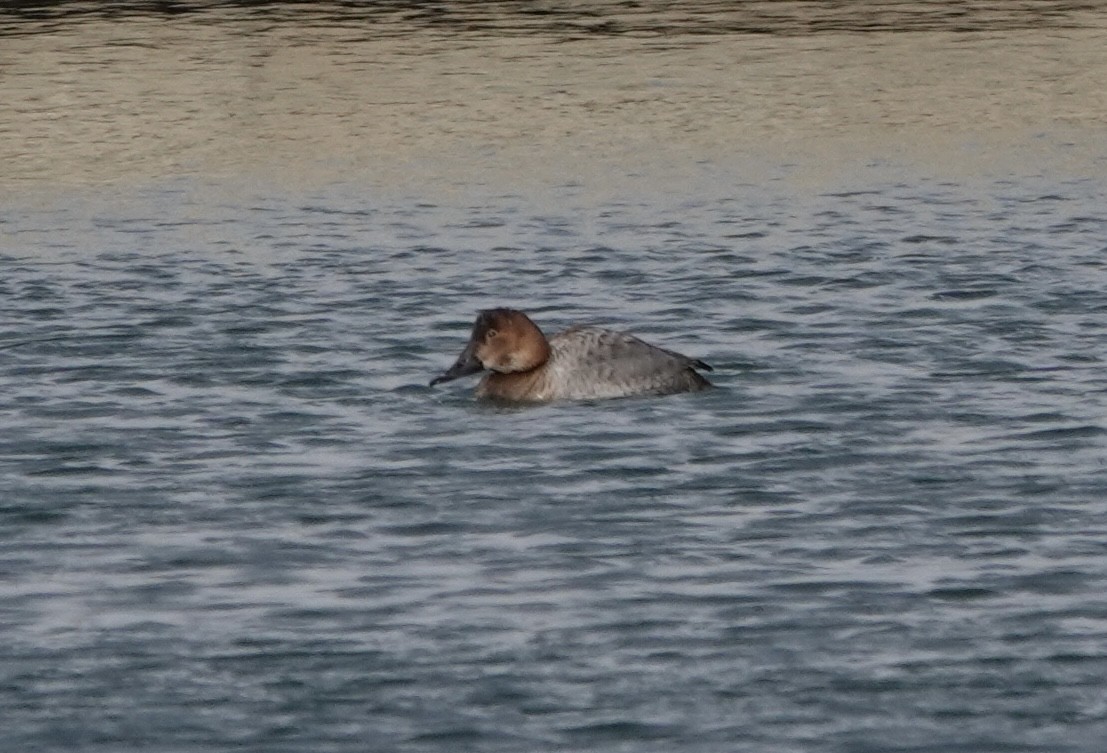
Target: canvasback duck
(580, 363)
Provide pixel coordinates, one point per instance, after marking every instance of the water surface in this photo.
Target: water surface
(237, 243)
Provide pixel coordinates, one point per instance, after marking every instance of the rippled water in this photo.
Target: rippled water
(235, 516)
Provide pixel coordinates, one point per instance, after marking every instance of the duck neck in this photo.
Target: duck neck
(515, 385)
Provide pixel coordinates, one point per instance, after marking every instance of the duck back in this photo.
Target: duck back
(592, 362)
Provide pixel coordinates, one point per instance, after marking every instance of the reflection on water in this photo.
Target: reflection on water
(573, 18)
(236, 240)
(452, 92)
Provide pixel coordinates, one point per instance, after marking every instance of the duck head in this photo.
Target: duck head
(504, 341)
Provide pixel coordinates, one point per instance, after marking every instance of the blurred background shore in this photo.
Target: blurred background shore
(439, 94)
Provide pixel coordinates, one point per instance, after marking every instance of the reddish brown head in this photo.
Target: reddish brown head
(503, 340)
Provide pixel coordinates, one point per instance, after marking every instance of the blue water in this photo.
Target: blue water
(233, 515)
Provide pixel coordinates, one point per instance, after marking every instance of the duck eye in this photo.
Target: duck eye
(490, 333)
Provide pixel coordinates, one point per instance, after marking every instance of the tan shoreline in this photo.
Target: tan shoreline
(144, 99)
